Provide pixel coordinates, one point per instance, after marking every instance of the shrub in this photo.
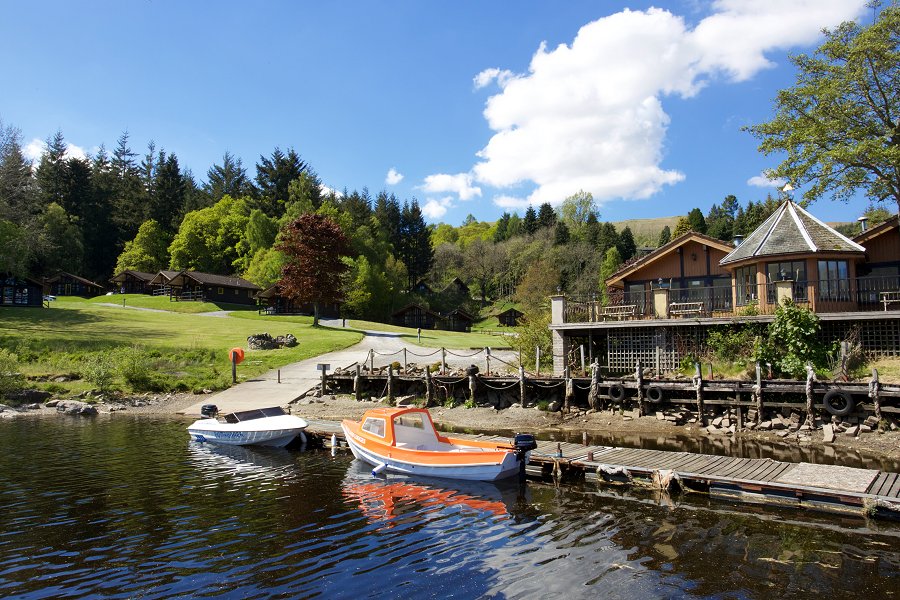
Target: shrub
(731, 343)
(133, 368)
(10, 377)
(99, 369)
(793, 341)
(543, 405)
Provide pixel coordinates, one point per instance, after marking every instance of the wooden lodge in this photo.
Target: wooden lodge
(67, 284)
(456, 320)
(20, 291)
(510, 317)
(272, 302)
(662, 304)
(207, 287)
(133, 282)
(416, 316)
(457, 287)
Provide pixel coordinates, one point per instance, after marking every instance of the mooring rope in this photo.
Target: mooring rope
(465, 355)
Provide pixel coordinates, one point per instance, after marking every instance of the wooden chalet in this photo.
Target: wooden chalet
(20, 291)
(456, 320)
(661, 305)
(421, 287)
(133, 282)
(67, 284)
(416, 316)
(161, 284)
(510, 317)
(272, 302)
(457, 287)
(194, 285)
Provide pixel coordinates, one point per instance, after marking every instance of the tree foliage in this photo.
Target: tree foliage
(314, 247)
(147, 252)
(840, 123)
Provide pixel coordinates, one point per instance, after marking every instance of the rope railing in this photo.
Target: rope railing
(465, 355)
(500, 388)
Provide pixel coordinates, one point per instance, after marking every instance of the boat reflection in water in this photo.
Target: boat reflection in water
(242, 464)
(388, 498)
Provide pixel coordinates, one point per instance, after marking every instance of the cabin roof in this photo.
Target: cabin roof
(791, 230)
(120, 277)
(877, 230)
(630, 267)
(61, 274)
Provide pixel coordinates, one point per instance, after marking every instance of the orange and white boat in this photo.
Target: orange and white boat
(404, 440)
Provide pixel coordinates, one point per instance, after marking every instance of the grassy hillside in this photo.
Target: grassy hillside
(646, 231)
(436, 339)
(149, 350)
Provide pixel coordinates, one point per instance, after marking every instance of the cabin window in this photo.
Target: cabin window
(411, 420)
(794, 270)
(374, 426)
(221, 291)
(834, 280)
(745, 285)
(236, 291)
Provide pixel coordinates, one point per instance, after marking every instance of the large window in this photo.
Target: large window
(745, 285)
(834, 280)
(794, 270)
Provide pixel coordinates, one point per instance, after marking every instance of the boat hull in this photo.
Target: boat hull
(276, 431)
(428, 464)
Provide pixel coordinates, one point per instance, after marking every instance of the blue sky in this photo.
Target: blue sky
(480, 106)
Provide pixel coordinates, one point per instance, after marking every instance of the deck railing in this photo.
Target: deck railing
(863, 294)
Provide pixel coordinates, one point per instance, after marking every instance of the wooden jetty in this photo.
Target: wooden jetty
(829, 488)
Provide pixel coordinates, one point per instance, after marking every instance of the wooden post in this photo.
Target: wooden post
(357, 382)
(570, 391)
(522, 397)
(698, 385)
(443, 361)
(583, 370)
(429, 387)
(845, 352)
(404, 361)
(537, 360)
(487, 361)
(279, 375)
(390, 385)
(874, 389)
(740, 416)
(810, 411)
(371, 361)
(757, 392)
(323, 382)
(658, 362)
(472, 385)
(709, 371)
(593, 395)
(639, 379)
(233, 367)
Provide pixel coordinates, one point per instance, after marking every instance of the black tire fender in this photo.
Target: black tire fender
(655, 394)
(616, 392)
(838, 402)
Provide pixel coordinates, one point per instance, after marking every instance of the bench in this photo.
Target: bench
(686, 308)
(620, 311)
(889, 298)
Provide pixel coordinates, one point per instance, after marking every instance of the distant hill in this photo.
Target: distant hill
(646, 231)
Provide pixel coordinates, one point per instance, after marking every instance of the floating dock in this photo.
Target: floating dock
(829, 488)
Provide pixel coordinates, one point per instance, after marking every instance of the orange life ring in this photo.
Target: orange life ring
(236, 355)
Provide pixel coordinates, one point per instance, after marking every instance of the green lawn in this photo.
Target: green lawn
(179, 351)
(161, 303)
(433, 338)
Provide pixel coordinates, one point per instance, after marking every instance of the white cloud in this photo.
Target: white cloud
(487, 76)
(459, 184)
(393, 177)
(327, 191)
(764, 182)
(36, 148)
(588, 115)
(435, 208)
(511, 202)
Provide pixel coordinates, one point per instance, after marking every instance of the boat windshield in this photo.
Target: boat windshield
(257, 413)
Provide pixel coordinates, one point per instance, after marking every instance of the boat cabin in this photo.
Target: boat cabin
(402, 427)
(250, 415)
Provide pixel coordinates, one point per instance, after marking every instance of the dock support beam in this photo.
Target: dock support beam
(639, 380)
(810, 379)
(757, 394)
(874, 393)
(357, 382)
(570, 391)
(593, 399)
(698, 385)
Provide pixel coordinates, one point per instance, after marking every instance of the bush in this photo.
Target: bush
(793, 341)
(99, 369)
(10, 377)
(731, 343)
(133, 368)
(534, 331)
(543, 405)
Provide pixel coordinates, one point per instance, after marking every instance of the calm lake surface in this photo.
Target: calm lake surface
(128, 507)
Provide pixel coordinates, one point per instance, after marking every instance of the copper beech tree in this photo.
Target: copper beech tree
(314, 246)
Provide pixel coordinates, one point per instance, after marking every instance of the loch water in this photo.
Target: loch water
(128, 507)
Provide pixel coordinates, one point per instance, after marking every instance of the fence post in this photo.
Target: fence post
(810, 378)
(658, 370)
(698, 385)
(522, 397)
(639, 380)
(357, 382)
(487, 361)
(581, 348)
(537, 360)
(371, 361)
(404, 361)
(570, 391)
(429, 387)
(757, 392)
(874, 389)
(593, 400)
(390, 384)
(443, 361)
(472, 384)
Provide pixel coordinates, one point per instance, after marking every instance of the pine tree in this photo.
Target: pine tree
(530, 222)
(607, 238)
(562, 235)
(51, 172)
(665, 236)
(696, 220)
(17, 187)
(415, 242)
(626, 246)
(167, 207)
(546, 215)
(273, 178)
(229, 178)
(128, 206)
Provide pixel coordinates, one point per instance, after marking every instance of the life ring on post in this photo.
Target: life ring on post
(838, 402)
(655, 394)
(616, 392)
(236, 355)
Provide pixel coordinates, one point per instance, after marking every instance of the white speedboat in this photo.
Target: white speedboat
(258, 427)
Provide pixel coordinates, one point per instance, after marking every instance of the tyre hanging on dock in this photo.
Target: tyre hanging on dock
(616, 392)
(838, 402)
(654, 394)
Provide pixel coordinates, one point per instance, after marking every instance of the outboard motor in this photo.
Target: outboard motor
(524, 443)
(209, 411)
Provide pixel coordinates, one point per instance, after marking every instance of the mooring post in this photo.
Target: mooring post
(443, 361)
(698, 385)
(234, 367)
(874, 393)
(810, 378)
(390, 384)
(658, 355)
(594, 393)
(757, 393)
(324, 379)
(487, 361)
(845, 355)
(639, 380)
(429, 387)
(279, 375)
(522, 397)
(583, 370)
(357, 382)
(404, 361)
(371, 361)
(537, 360)
(570, 390)
(472, 384)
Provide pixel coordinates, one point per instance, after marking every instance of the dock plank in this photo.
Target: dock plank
(894, 492)
(882, 484)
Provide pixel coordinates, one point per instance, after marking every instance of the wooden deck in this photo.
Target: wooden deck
(801, 485)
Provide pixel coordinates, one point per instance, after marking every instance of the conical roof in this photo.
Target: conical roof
(791, 230)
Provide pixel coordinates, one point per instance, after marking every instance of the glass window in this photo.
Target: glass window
(745, 285)
(374, 426)
(794, 270)
(834, 280)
